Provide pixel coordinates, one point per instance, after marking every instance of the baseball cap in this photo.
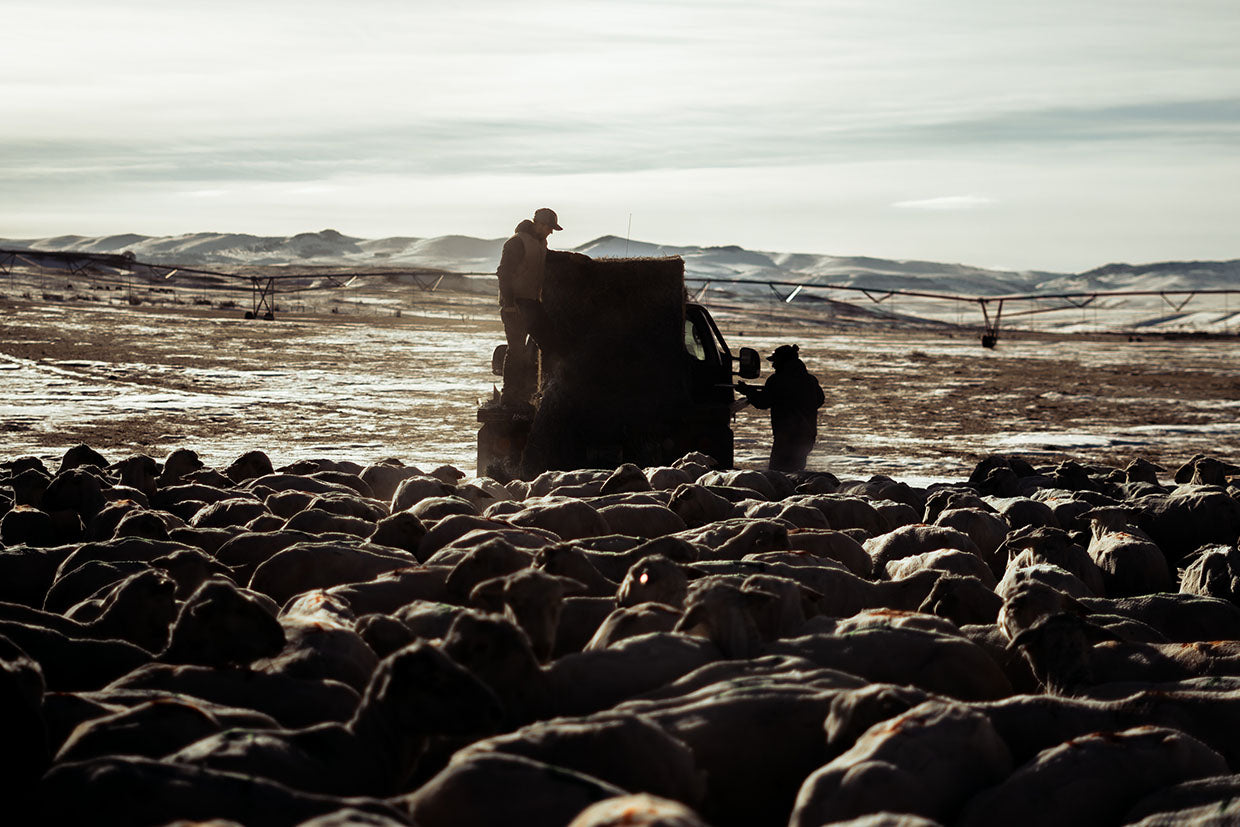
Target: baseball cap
(784, 352)
(547, 216)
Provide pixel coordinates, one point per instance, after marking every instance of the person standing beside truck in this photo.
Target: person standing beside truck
(793, 396)
(521, 269)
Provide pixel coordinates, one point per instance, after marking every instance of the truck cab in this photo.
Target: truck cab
(645, 375)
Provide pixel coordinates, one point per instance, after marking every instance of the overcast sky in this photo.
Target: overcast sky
(1039, 134)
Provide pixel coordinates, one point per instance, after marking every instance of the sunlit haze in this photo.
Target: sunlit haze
(1054, 135)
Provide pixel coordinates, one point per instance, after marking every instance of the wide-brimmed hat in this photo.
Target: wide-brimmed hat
(543, 215)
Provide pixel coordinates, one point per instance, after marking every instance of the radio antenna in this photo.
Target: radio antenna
(627, 234)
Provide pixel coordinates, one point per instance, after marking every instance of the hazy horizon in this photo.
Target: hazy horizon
(1052, 137)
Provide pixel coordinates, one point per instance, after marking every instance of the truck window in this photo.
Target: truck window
(693, 342)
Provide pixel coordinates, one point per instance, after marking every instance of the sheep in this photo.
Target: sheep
(947, 664)
(1179, 617)
(654, 579)
(844, 511)
(75, 489)
(153, 728)
(755, 481)
(615, 565)
(1131, 563)
(30, 526)
(314, 565)
(284, 480)
(1189, 517)
(319, 521)
(1042, 544)
(384, 479)
(499, 653)
(835, 545)
(72, 663)
(1024, 575)
(393, 589)
(853, 711)
(639, 810)
(948, 560)
(844, 594)
(911, 540)
(25, 751)
(568, 519)
(128, 790)
(416, 691)
(473, 565)
(754, 739)
(233, 512)
(584, 682)
(733, 539)
(321, 647)
(646, 521)
(219, 625)
(1094, 779)
(1213, 572)
(518, 790)
(401, 530)
(739, 675)
(530, 598)
(985, 528)
(580, 620)
(567, 560)
(245, 552)
(622, 748)
(291, 702)
(1202, 801)
(139, 609)
(667, 478)
(469, 530)
(721, 613)
(431, 509)
(1024, 512)
(697, 505)
(964, 600)
(928, 761)
(631, 621)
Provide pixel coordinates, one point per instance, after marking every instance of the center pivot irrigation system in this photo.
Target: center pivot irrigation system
(990, 306)
(263, 285)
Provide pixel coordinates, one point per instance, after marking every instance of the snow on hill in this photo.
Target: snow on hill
(473, 255)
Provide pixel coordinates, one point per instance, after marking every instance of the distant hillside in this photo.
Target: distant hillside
(473, 255)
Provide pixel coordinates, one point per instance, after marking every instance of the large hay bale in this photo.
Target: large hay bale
(619, 387)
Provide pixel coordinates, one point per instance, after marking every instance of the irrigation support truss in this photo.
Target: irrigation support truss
(991, 306)
(262, 285)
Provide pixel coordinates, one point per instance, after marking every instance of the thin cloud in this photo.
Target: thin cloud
(946, 203)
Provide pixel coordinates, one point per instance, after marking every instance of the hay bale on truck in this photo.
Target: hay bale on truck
(644, 375)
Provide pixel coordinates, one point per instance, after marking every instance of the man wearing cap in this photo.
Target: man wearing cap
(793, 396)
(520, 275)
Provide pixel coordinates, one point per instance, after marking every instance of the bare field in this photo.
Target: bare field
(365, 383)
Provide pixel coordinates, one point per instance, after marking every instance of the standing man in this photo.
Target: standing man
(520, 273)
(793, 396)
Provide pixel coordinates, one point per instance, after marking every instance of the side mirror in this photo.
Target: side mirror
(751, 365)
(497, 359)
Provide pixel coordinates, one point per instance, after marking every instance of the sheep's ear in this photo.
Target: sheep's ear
(689, 619)
(757, 598)
(572, 587)
(489, 595)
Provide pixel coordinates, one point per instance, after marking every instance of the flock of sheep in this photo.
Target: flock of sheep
(330, 643)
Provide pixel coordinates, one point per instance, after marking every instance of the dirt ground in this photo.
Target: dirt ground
(363, 383)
